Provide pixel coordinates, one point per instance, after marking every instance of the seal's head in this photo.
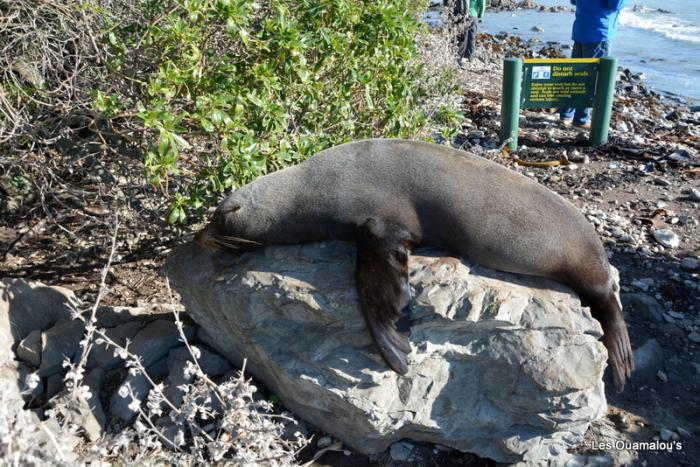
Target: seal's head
(229, 225)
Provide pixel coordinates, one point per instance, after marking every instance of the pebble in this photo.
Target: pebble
(666, 435)
(689, 264)
(695, 337)
(694, 194)
(684, 433)
(646, 306)
(294, 431)
(324, 442)
(574, 156)
(402, 452)
(696, 366)
(662, 376)
(617, 232)
(666, 238)
(54, 385)
(594, 220)
(622, 127)
(661, 182)
(648, 358)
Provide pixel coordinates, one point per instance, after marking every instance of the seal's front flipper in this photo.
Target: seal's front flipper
(382, 286)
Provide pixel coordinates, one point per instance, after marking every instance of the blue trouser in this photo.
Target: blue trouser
(584, 50)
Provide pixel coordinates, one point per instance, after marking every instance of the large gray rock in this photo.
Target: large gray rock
(178, 360)
(33, 305)
(155, 340)
(26, 306)
(84, 411)
(58, 344)
(102, 356)
(29, 350)
(119, 406)
(507, 367)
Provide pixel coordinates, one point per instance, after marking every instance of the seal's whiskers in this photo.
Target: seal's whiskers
(236, 239)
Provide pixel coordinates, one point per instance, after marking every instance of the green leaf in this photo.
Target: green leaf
(219, 116)
(206, 124)
(175, 214)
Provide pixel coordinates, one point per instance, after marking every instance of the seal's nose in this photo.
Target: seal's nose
(217, 222)
(205, 237)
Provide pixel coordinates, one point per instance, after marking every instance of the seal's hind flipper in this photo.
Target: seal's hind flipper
(620, 355)
(607, 309)
(382, 286)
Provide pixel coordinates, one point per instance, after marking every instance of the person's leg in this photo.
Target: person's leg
(461, 41)
(472, 28)
(566, 115)
(461, 24)
(590, 50)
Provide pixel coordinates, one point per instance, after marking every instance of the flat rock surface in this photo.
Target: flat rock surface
(507, 367)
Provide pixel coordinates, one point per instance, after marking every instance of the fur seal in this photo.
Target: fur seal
(391, 195)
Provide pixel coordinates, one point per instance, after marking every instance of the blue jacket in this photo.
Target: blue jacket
(596, 20)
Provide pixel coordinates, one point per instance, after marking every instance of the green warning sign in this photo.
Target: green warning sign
(559, 82)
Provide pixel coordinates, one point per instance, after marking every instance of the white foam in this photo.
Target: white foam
(668, 26)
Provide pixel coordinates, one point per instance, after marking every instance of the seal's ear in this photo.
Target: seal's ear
(382, 286)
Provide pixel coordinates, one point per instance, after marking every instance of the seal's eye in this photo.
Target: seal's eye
(232, 209)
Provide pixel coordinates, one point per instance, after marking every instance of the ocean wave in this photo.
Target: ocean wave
(670, 27)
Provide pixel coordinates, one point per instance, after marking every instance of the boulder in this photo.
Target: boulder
(178, 360)
(102, 356)
(26, 306)
(645, 306)
(82, 410)
(154, 341)
(29, 350)
(505, 366)
(210, 363)
(140, 387)
(648, 360)
(58, 344)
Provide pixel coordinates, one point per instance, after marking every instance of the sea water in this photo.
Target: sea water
(660, 38)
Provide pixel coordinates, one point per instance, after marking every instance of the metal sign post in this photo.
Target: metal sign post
(540, 83)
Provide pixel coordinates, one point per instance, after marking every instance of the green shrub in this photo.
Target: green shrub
(233, 89)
